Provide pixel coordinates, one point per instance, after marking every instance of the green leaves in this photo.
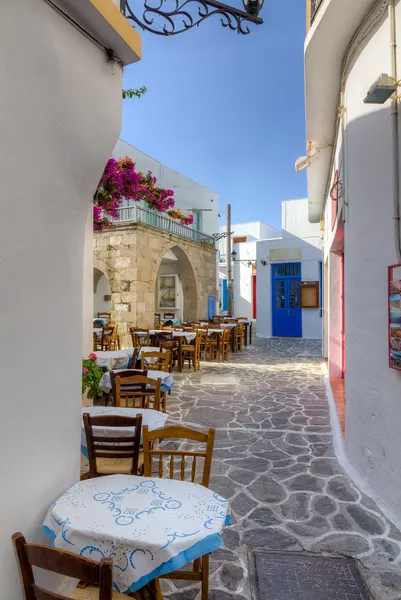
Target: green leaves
(134, 93)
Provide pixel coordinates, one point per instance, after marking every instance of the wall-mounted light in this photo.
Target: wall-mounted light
(264, 262)
(382, 90)
(233, 255)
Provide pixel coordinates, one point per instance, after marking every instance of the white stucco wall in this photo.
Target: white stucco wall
(294, 220)
(373, 407)
(242, 276)
(188, 194)
(254, 230)
(59, 120)
(310, 257)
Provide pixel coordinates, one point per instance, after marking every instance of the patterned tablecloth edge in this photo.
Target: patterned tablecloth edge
(206, 546)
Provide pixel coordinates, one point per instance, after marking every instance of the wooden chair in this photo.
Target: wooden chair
(109, 337)
(200, 570)
(239, 337)
(208, 344)
(134, 358)
(99, 576)
(121, 458)
(169, 316)
(97, 343)
(192, 352)
(225, 344)
(137, 391)
(123, 374)
(163, 336)
(140, 336)
(105, 316)
(172, 347)
(162, 362)
(157, 319)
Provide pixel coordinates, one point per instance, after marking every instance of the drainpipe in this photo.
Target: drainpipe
(396, 148)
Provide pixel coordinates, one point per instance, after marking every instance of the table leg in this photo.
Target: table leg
(250, 334)
(151, 591)
(180, 354)
(246, 334)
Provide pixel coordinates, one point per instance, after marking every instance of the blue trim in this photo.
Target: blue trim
(206, 546)
(225, 299)
(49, 532)
(84, 451)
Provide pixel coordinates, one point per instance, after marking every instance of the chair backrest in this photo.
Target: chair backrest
(104, 315)
(163, 336)
(61, 562)
(226, 335)
(134, 357)
(137, 391)
(107, 334)
(140, 337)
(157, 318)
(156, 361)
(117, 446)
(123, 374)
(169, 316)
(179, 433)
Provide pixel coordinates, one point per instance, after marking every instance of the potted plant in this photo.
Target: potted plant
(91, 376)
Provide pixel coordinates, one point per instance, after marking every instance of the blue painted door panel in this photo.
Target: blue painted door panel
(211, 307)
(225, 302)
(286, 300)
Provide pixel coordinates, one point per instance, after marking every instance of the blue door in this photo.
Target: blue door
(286, 300)
(225, 302)
(211, 307)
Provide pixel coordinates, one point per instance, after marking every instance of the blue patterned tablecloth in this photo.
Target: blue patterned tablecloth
(149, 526)
(152, 418)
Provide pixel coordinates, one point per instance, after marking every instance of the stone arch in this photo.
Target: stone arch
(174, 260)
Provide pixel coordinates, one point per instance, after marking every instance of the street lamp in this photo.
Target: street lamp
(177, 16)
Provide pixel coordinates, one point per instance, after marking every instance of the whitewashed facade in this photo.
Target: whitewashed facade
(354, 187)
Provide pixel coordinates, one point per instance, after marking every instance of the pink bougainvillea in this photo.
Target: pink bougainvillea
(121, 180)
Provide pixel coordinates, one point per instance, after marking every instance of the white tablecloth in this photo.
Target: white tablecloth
(189, 335)
(152, 418)
(167, 380)
(116, 359)
(149, 526)
(98, 331)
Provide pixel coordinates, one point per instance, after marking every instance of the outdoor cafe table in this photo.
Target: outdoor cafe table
(114, 359)
(149, 526)
(152, 418)
(120, 359)
(188, 335)
(166, 385)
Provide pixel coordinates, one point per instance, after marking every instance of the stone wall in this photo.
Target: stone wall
(130, 256)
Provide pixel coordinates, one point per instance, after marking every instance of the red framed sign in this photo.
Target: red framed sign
(394, 316)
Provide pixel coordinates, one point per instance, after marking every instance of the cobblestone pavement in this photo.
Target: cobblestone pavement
(274, 461)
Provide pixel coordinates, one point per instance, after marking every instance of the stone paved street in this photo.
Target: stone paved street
(274, 461)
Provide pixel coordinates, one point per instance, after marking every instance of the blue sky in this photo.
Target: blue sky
(226, 110)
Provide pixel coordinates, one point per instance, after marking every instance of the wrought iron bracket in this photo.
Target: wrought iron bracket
(170, 17)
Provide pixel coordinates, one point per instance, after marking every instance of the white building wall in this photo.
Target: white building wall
(188, 194)
(372, 390)
(294, 221)
(310, 257)
(255, 230)
(60, 111)
(242, 277)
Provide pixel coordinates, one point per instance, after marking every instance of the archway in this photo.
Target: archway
(176, 288)
(101, 293)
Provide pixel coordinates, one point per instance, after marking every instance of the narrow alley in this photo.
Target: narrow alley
(274, 462)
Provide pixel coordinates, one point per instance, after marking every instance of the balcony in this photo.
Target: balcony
(314, 8)
(135, 214)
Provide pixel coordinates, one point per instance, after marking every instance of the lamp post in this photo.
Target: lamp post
(170, 17)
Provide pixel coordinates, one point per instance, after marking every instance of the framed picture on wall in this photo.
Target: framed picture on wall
(167, 291)
(394, 316)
